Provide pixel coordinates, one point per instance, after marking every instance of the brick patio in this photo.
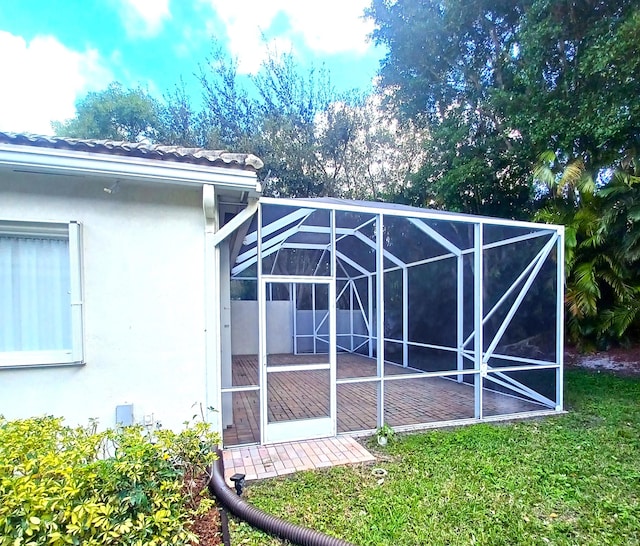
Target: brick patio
(258, 462)
(305, 395)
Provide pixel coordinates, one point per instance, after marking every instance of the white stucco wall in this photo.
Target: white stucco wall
(143, 254)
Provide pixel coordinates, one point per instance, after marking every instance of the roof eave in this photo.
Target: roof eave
(71, 163)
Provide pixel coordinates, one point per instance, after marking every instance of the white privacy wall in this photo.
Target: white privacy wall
(244, 331)
(245, 327)
(143, 254)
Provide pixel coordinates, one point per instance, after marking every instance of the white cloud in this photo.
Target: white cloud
(42, 80)
(143, 18)
(253, 50)
(332, 26)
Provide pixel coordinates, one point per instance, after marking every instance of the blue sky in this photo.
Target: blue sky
(54, 51)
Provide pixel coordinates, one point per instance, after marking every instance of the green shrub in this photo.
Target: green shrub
(61, 485)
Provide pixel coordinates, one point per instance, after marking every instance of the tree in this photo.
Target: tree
(602, 247)
(313, 140)
(115, 114)
(289, 104)
(579, 66)
(574, 81)
(273, 115)
(372, 154)
(228, 117)
(445, 60)
(179, 123)
(500, 82)
(503, 83)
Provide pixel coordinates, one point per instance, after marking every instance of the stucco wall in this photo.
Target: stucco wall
(143, 291)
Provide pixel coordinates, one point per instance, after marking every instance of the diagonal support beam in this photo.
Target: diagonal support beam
(512, 384)
(235, 223)
(508, 292)
(278, 224)
(352, 263)
(364, 314)
(523, 292)
(441, 240)
(249, 257)
(385, 253)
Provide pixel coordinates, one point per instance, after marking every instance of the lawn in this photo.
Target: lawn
(570, 479)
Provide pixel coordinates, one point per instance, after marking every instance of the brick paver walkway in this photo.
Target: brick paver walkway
(258, 462)
(304, 395)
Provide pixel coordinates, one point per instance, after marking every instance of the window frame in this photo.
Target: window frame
(74, 355)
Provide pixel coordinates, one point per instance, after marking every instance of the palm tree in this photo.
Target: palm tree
(602, 243)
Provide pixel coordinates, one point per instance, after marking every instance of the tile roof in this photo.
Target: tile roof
(180, 154)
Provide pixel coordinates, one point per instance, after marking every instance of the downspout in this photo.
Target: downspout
(213, 395)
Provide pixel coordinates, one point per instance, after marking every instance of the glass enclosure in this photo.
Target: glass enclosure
(347, 315)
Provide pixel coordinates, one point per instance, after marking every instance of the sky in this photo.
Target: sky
(52, 52)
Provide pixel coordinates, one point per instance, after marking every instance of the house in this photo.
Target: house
(107, 277)
(150, 284)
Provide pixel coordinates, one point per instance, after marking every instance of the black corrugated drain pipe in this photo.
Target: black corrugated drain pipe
(257, 518)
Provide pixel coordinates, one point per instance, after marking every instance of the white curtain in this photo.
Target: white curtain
(35, 302)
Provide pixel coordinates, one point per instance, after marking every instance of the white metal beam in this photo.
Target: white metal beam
(353, 264)
(523, 359)
(361, 306)
(512, 240)
(391, 257)
(560, 322)
(324, 251)
(518, 387)
(460, 313)
(235, 223)
(262, 336)
(437, 237)
(508, 292)
(380, 316)
(351, 231)
(479, 365)
(403, 212)
(253, 252)
(278, 224)
(351, 332)
(294, 299)
(370, 312)
(541, 233)
(333, 331)
(516, 304)
(421, 262)
(405, 317)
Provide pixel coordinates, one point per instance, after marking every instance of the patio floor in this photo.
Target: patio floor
(258, 462)
(305, 395)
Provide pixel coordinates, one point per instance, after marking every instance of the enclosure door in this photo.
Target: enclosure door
(298, 369)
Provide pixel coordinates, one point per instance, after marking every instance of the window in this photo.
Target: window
(40, 294)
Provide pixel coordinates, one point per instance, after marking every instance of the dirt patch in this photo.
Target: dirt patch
(206, 526)
(621, 361)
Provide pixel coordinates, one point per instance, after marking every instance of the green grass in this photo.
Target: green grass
(571, 479)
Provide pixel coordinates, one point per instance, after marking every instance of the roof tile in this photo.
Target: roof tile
(160, 152)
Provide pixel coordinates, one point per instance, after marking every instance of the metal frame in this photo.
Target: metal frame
(299, 428)
(347, 270)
